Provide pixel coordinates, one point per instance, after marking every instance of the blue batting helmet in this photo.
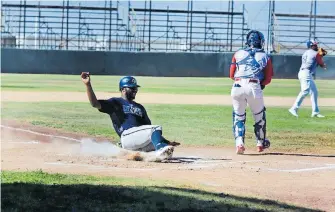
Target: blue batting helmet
(128, 82)
(255, 39)
(311, 43)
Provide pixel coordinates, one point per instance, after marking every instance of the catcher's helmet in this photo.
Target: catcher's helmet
(311, 43)
(128, 82)
(255, 39)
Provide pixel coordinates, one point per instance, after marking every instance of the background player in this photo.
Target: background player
(130, 119)
(310, 60)
(252, 70)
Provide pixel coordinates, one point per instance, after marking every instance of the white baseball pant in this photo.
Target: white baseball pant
(308, 86)
(243, 92)
(139, 138)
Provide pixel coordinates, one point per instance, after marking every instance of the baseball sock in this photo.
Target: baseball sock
(157, 139)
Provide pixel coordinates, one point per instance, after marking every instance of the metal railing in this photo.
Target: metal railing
(105, 28)
(290, 32)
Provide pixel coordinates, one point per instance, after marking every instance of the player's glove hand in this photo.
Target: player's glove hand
(262, 87)
(322, 52)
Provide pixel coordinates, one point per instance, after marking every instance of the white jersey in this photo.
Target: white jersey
(309, 61)
(250, 63)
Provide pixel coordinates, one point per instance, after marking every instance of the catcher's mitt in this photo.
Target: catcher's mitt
(322, 52)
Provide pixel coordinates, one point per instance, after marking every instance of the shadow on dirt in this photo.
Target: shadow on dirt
(87, 197)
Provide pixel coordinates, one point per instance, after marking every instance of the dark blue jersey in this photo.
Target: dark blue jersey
(124, 114)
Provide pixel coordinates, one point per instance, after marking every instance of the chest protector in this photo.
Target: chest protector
(250, 63)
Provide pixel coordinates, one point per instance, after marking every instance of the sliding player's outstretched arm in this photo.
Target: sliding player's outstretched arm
(85, 77)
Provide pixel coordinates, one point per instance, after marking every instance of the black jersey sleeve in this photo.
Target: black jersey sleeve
(111, 106)
(146, 119)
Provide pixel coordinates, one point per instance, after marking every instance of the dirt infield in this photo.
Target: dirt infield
(301, 179)
(148, 98)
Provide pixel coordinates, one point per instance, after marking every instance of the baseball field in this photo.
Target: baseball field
(49, 161)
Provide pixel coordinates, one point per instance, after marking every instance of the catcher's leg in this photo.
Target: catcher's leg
(239, 127)
(239, 117)
(256, 103)
(260, 130)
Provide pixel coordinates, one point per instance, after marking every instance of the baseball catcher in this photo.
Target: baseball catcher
(310, 60)
(130, 119)
(252, 70)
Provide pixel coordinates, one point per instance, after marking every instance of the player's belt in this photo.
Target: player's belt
(250, 80)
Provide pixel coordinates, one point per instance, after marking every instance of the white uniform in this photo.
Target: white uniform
(139, 138)
(305, 75)
(248, 75)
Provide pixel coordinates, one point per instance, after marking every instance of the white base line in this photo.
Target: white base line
(42, 134)
(22, 142)
(301, 170)
(198, 165)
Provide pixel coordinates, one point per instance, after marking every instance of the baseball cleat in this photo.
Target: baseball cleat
(260, 148)
(266, 143)
(165, 153)
(293, 112)
(263, 145)
(240, 150)
(318, 115)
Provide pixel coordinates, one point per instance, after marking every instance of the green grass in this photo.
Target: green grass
(40, 191)
(171, 85)
(193, 125)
